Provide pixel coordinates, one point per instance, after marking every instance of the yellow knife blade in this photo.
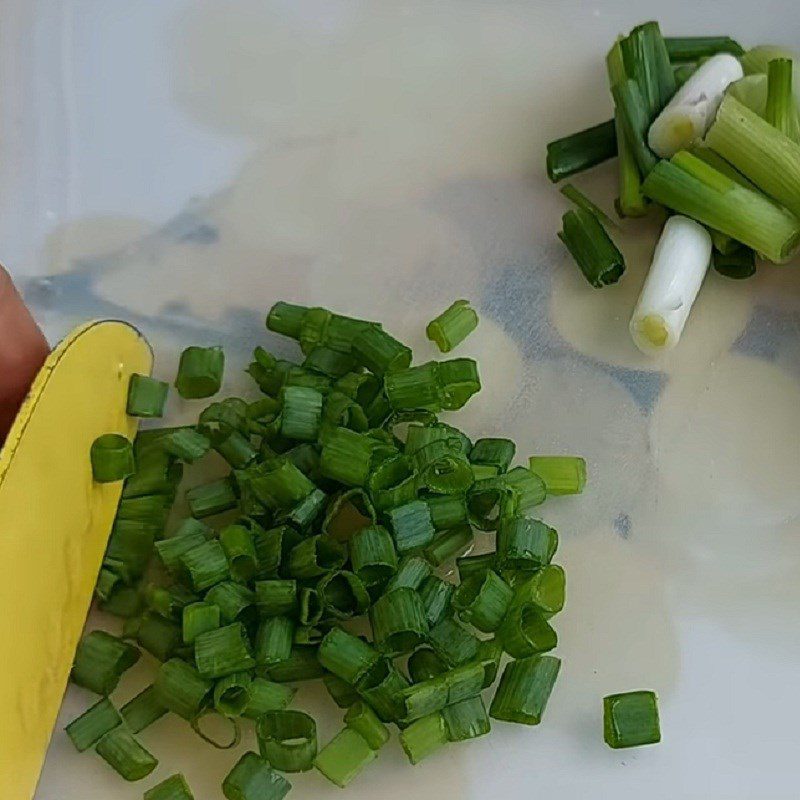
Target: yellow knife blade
(54, 527)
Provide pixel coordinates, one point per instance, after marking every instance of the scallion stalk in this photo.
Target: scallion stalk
(173, 788)
(125, 755)
(112, 458)
(287, 740)
(781, 108)
(253, 779)
(146, 396)
(525, 689)
(452, 326)
(200, 372)
(344, 757)
(581, 151)
(595, 254)
(631, 719)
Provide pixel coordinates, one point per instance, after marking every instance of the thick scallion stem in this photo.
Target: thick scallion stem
(89, 728)
(101, 660)
(146, 396)
(200, 372)
(372, 554)
(631, 719)
(691, 187)
(452, 642)
(483, 601)
(450, 544)
(267, 696)
(287, 740)
(344, 757)
(112, 458)
(232, 694)
(411, 525)
(125, 755)
(581, 151)
(466, 719)
(253, 779)
(561, 474)
(524, 544)
(398, 621)
(595, 254)
(143, 710)
(525, 689)
(206, 565)
(273, 641)
(452, 326)
(362, 719)
(181, 689)
(781, 109)
(224, 651)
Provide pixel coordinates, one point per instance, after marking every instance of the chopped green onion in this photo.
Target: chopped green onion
(561, 474)
(107, 582)
(181, 689)
(525, 689)
(442, 690)
(272, 547)
(447, 511)
(424, 664)
(274, 598)
(232, 723)
(310, 606)
(483, 600)
(442, 468)
(411, 574)
(398, 621)
(382, 686)
(274, 641)
(435, 595)
(124, 602)
(634, 120)
(232, 694)
(348, 514)
(475, 565)
(393, 483)
(595, 254)
(362, 719)
(316, 556)
(580, 200)
(631, 719)
(200, 372)
(342, 693)
(157, 472)
(646, 60)
(694, 48)
(235, 448)
(342, 411)
(343, 595)
(321, 327)
(91, 726)
(452, 642)
(346, 457)
(173, 788)
(125, 755)
(146, 396)
(287, 740)
(450, 544)
(466, 719)
(112, 458)
(267, 696)
(781, 110)
(497, 453)
(525, 632)
(223, 651)
(143, 710)
(739, 264)
(158, 636)
(252, 779)
(332, 363)
(280, 484)
(211, 498)
(424, 737)
(100, 662)
(581, 151)
(452, 326)
(168, 601)
(206, 565)
(346, 656)
(524, 544)
(414, 388)
(232, 599)
(343, 758)
(302, 412)
(490, 652)
(379, 352)
(372, 554)
(237, 542)
(286, 319)
(199, 618)
(544, 590)
(302, 665)
(411, 525)
(689, 186)
(458, 381)
(682, 74)
(171, 550)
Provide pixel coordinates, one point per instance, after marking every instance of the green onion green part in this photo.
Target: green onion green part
(581, 151)
(475, 565)
(112, 458)
(146, 396)
(252, 779)
(100, 662)
(382, 687)
(237, 542)
(181, 689)
(343, 595)
(206, 565)
(199, 618)
(223, 651)
(595, 254)
(436, 595)
(525, 632)
(483, 600)
(143, 710)
(424, 737)
(125, 755)
(173, 788)
(347, 456)
(452, 642)
(631, 719)
(411, 525)
(411, 574)
(286, 319)
(287, 740)
(450, 544)
(452, 326)
(274, 640)
(159, 636)
(346, 656)
(211, 498)
(302, 413)
(379, 352)
(341, 692)
(372, 554)
(302, 665)
(466, 720)
(362, 719)
(200, 372)
(781, 109)
(694, 48)
(398, 621)
(424, 664)
(739, 264)
(232, 694)
(316, 556)
(267, 696)
(524, 544)
(234, 600)
(274, 598)
(344, 757)
(561, 474)
(525, 689)
(91, 726)
(580, 200)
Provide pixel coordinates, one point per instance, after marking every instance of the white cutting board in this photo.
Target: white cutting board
(184, 164)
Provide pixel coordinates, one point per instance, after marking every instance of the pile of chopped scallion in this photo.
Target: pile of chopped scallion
(711, 134)
(345, 497)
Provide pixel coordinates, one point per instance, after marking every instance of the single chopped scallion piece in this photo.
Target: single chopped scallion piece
(372, 554)
(124, 602)
(235, 448)
(447, 511)
(171, 550)
(267, 696)
(232, 694)
(631, 719)
(781, 108)
(275, 598)
(168, 601)
(691, 187)
(234, 600)
(211, 498)
(379, 352)
(286, 319)
(414, 388)
(252, 779)
(347, 456)
(483, 600)
(331, 363)
(452, 642)
(206, 565)
(466, 719)
(89, 728)
(411, 574)
(310, 607)
(411, 525)
(348, 514)
(237, 542)
(343, 595)
(158, 636)
(580, 200)
(199, 618)
(545, 590)
(342, 693)
(561, 474)
(223, 651)
(112, 458)
(344, 757)
(450, 544)
(525, 632)
(452, 326)
(287, 740)
(280, 484)
(497, 453)
(398, 621)
(346, 656)
(173, 788)
(695, 48)
(393, 483)
(362, 719)
(382, 686)
(475, 565)
(143, 710)
(200, 372)
(146, 396)
(316, 556)
(302, 665)
(595, 254)
(424, 737)
(436, 595)
(424, 664)
(181, 689)
(125, 755)
(524, 544)
(274, 640)
(302, 412)
(100, 662)
(581, 151)
(525, 689)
